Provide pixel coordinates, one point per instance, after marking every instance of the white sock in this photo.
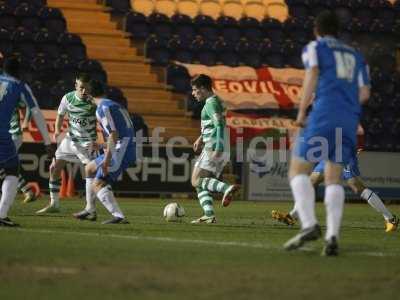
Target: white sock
(106, 197)
(55, 199)
(9, 191)
(304, 197)
(293, 213)
(376, 202)
(90, 196)
(334, 202)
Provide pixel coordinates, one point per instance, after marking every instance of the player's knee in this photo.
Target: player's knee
(89, 170)
(97, 185)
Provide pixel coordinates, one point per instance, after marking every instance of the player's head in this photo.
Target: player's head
(326, 23)
(96, 88)
(82, 85)
(12, 66)
(201, 87)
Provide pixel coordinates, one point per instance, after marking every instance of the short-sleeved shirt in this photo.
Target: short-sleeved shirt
(211, 117)
(81, 117)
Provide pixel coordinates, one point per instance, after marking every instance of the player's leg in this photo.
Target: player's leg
(8, 189)
(334, 202)
(358, 187)
(204, 196)
(304, 196)
(212, 184)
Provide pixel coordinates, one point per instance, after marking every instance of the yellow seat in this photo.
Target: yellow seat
(233, 8)
(278, 11)
(145, 7)
(188, 7)
(255, 9)
(166, 7)
(210, 8)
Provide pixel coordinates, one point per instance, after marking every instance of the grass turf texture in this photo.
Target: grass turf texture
(240, 257)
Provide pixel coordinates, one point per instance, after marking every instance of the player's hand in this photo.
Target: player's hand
(50, 151)
(56, 137)
(104, 166)
(197, 145)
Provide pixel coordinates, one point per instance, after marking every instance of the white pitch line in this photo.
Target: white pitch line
(195, 241)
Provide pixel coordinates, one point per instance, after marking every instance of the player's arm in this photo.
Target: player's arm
(310, 61)
(218, 121)
(27, 118)
(197, 145)
(364, 83)
(109, 125)
(62, 110)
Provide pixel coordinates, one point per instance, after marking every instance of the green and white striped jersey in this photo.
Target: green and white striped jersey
(15, 122)
(81, 117)
(211, 117)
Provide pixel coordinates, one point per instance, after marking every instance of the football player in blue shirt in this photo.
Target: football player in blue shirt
(119, 153)
(12, 90)
(338, 75)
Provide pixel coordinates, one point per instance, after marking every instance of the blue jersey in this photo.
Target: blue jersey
(11, 92)
(342, 71)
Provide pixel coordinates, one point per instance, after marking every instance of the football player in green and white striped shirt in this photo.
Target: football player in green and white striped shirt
(78, 144)
(16, 134)
(215, 153)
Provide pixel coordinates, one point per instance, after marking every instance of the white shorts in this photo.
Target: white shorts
(205, 162)
(17, 139)
(72, 151)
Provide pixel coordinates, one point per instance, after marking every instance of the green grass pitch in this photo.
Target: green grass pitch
(240, 257)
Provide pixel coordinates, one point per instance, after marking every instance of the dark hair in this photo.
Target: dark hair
(202, 81)
(97, 88)
(12, 66)
(84, 77)
(327, 23)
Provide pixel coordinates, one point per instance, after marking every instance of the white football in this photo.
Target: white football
(173, 212)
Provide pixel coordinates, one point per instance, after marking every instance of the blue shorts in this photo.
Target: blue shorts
(120, 161)
(10, 166)
(351, 170)
(318, 141)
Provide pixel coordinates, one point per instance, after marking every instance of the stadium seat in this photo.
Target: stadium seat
(136, 24)
(42, 94)
(188, 7)
(145, 7)
(116, 95)
(180, 49)
(343, 10)
(229, 28)
(37, 3)
(23, 43)
(66, 68)
(59, 90)
(118, 6)
(255, 9)
(226, 53)
(273, 29)
(271, 54)
(52, 19)
(249, 53)
(363, 13)
(166, 7)
(178, 77)
(160, 25)
(28, 16)
(184, 26)
(7, 19)
(233, 9)
(6, 46)
(203, 51)
(206, 27)
(43, 70)
(277, 10)
(298, 8)
(156, 50)
(73, 46)
(251, 29)
(211, 8)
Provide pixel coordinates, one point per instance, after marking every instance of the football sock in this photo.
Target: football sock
(334, 201)
(376, 202)
(90, 196)
(304, 196)
(107, 198)
(213, 185)
(23, 186)
(293, 213)
(54, 187)
(9, 191)
(206, 201)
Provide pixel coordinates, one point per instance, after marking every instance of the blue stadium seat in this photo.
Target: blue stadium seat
(72, 45)
(6, 47)
(23, 43)
(206, 27)
(43, 70)
(273, 29)
(41, 91)
(229, 29)
(59, 90)
(251, 29)
(298, 8)
(136, 24)
(204, 52)
(119, 6)
(7, 19)
(27, 72)
(226, 53)
(184, 26)
(93, 68)
(297, 29)
(46, 43)
(180, 49)
(271, 54)
(53, 19)
(364, 13)
(37, 3)
(160, 25)
(65, 67)
(156, 49)
(178, 77)
(249, 53)
(28, 16)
